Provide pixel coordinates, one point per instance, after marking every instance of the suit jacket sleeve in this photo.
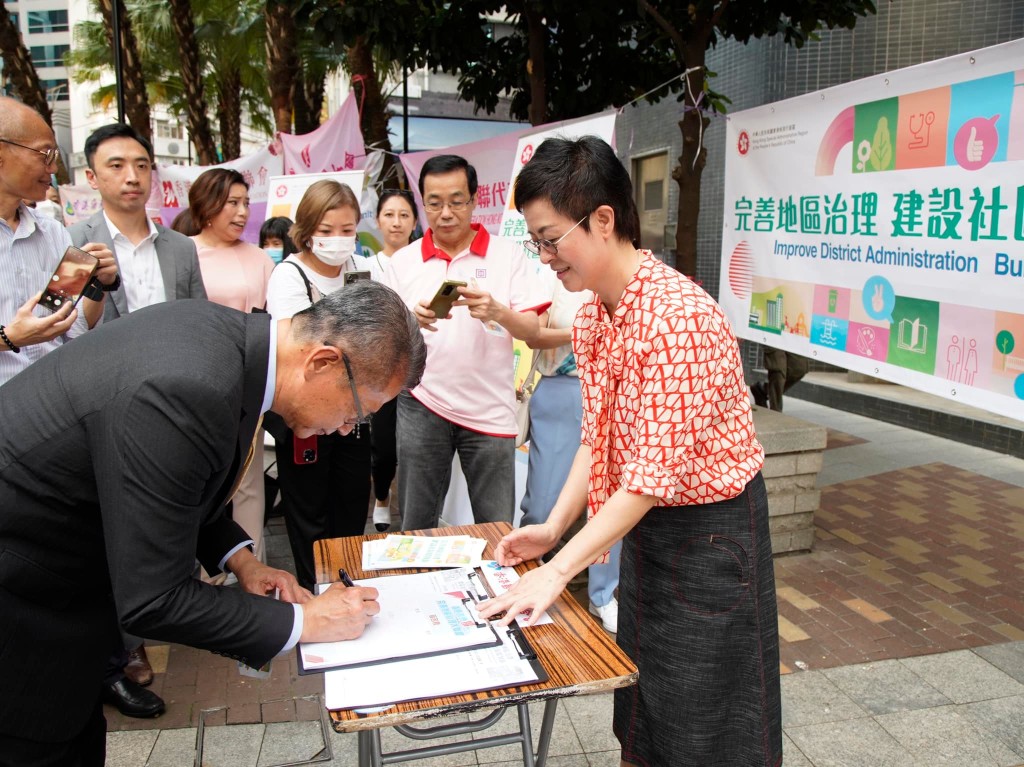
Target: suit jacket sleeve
(169, 446)
(196, 287)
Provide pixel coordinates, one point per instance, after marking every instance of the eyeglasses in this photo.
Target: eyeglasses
(362, 418)
(434, 206)
(49, 155)
(551, 246)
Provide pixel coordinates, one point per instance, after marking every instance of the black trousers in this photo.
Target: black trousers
(86, 749)
(326, 499)
(384, 457)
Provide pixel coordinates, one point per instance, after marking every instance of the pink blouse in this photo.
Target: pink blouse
(235, 275)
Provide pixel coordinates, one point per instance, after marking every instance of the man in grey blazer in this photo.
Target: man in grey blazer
(156, 264)
(118, 454)
(159, 265)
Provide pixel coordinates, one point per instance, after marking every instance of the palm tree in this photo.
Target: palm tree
(136, 100)
(192, 81)
(24, 79)
(283, 66)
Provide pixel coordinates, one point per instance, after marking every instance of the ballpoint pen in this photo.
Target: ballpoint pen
(343, 576)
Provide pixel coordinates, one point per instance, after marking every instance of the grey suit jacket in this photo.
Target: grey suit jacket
(179, 264)
(117, 454)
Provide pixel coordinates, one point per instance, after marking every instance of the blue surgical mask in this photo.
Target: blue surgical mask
(276, 254)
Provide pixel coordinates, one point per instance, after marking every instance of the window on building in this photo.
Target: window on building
(167, 129)
(49, 55)
(56, 90)
(47, 21)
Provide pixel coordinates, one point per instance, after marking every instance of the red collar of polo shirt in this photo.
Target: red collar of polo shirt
(478, 246)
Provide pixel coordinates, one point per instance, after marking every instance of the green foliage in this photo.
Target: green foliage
(231, 38)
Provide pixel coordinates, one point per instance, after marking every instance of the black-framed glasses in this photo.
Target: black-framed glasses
(550, 246)
(361, 417)
(49, 155)
(436, 206)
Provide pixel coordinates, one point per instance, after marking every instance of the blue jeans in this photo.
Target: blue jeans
(556, 412)
(426, 444)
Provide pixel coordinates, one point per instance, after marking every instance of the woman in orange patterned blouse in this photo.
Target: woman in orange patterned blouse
(668, 462)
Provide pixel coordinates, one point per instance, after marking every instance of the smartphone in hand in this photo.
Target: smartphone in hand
(446, 295)
(69, 279)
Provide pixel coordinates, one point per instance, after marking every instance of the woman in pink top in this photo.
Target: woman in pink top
(235, 273)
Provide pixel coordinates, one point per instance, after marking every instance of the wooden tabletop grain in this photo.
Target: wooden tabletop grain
(579, 657)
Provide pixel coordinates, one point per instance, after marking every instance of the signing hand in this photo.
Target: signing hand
(107, 270)
(28, 330)
(339, 613)
(535, 591)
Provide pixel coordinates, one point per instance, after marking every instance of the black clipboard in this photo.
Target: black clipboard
(491, 639)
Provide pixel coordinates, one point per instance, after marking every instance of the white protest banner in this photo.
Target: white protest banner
(78, 202)
(513, 225)
(879, 226)
(256, 169)
(334, 146)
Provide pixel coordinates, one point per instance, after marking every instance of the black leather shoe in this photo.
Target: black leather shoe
(132, 700)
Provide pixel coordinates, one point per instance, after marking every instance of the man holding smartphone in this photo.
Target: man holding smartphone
(466, 401)
(32, 245)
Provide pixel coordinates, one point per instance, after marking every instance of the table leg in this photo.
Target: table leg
(546, 728)
(524, 728)
(369, 748)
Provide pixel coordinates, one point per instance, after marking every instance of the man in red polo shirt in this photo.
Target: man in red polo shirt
(465, 402)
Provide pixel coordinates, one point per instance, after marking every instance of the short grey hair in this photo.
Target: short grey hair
(372, 324)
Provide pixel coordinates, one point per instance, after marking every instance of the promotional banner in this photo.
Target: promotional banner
(78, 202)
(334, 146)
(257, 169)
(491, 158)
(879, 226)
(287, 191)
(513, 225)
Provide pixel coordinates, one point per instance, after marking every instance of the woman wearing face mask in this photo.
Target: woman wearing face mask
(396, 219)
(324, 481)
(274, 238)
(235, 273)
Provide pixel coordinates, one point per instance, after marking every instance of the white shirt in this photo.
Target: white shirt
(28, 258)
(139, 267)
(286, 292)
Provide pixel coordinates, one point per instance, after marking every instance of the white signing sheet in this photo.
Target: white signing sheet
(420, 614)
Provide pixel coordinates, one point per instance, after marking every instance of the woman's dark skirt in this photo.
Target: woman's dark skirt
(697, 615)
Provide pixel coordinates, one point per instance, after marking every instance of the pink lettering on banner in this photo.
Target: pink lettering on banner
(247, 175)
(350, 161)
(170, 198)
(262, 173)
(305, 155)
(483, 196)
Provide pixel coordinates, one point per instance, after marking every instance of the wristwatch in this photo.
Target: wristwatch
(93, 290)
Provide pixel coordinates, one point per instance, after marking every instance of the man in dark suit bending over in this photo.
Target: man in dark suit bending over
(118, 453)
(156, 265)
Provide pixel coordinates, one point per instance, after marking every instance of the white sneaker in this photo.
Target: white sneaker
(381, 518)
(609, 615)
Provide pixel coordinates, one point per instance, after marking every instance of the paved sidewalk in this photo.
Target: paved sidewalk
(902, 633)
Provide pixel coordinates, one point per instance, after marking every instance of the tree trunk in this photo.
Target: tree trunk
(229, 113)
(309, 99)
(192, 80)
(536, 69)
(283, 65)
(373, 116)
(136, 100)
(21, 73)
(693, 158)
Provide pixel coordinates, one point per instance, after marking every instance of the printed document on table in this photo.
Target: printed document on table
(420, 614)
(487, 669)
(396, 551)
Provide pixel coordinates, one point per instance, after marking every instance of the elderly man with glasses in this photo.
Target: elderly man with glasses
(465, 403)
(31, 247)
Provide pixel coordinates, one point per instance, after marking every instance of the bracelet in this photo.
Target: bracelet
(112, 286)
(6, 340)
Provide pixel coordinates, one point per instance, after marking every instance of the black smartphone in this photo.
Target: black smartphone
(305, 450)
(72, 274)
(446, 295)
(351, 277)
